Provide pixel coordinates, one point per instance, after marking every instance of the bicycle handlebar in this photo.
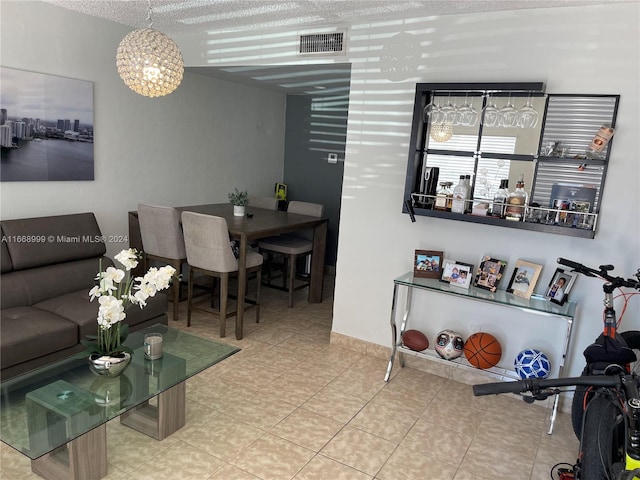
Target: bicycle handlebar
(602, 273)
(537, 384)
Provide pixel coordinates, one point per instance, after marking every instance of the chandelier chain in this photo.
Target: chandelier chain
(149, 18)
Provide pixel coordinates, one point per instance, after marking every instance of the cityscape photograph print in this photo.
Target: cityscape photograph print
(46, 127)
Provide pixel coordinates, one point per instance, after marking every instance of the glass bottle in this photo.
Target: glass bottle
(600, 140)
(467, 179)
(460, 194)
(516, 202)
(500, 199)
(444, 197)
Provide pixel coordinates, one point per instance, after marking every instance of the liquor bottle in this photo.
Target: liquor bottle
(600, 140)
(467, 179)
(500, 199)
(516, 202)
(460, 194)
(444, 197)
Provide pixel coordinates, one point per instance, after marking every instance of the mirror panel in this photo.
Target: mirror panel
(492, 170)
(454, 122)
(512, 124)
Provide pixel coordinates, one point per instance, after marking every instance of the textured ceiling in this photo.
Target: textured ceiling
(202, 16)
(185, 16)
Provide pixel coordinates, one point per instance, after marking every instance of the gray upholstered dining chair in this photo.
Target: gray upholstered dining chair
(163, 241)
(290, 246)
(209, 253)
(270, 203)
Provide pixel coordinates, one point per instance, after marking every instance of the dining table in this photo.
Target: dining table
(255, 224)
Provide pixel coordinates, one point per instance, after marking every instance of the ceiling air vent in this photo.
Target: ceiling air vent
(325, 43)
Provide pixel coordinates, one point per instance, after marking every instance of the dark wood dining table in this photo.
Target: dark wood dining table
(257, 223)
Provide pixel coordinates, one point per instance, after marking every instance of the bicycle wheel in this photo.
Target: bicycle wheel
(632, 338)
(603, 453)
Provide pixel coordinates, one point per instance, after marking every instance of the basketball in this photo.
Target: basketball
(415, 340)
(482, 350)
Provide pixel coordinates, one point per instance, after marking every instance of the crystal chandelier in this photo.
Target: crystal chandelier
(149, 62)
(441, 132)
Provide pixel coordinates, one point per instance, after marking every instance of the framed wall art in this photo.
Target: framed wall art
(524, 279)
(46, 127)
(560, 286)
(489, 273)
(427, 264)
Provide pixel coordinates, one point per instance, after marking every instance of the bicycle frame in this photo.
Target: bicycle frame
(608, 370)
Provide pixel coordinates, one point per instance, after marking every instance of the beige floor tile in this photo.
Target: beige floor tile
(261, 410)
(360, 450)
(224, 438)
(335, 404)
(178, 461)
(294, 389)
(388, 423)
(229, 472)
(359, 384)
(467, 475)
(307, 429)
(447, 414)
(273, 458)
(323, 468)
(406, 464)
(439, 442)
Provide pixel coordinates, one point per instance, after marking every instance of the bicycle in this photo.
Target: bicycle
(605, 410)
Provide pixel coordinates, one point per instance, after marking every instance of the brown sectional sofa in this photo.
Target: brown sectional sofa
(48, 267)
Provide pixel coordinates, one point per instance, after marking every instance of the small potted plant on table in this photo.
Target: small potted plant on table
(239, 200)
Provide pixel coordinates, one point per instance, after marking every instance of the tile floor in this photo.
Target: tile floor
(292, 406)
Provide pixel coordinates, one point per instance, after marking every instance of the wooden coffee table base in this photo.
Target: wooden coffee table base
(161, 421)
(84, 458)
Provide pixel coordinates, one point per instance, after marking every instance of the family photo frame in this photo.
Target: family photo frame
(489, 273)
(560, 285)
(427, 263)
(524, 279)
(458, 274)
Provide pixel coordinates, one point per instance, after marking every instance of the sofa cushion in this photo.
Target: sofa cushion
(35, 285)
(77, 308)
(64, 238)
(29, 333)
(5, 260)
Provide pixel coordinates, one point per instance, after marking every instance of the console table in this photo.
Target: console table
(57, 415)
(536, 304)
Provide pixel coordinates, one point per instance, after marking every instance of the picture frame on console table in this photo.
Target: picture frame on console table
(524, 279)
(459, 274)
(427, 263)
(560, 285)
(489, 273)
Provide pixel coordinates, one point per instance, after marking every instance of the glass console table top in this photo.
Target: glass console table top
(46, 408)
(536, 304)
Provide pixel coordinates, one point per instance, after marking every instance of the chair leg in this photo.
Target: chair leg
(224, 295)
(259, 283)
(292, 276)
(189, 297)
(176, 298)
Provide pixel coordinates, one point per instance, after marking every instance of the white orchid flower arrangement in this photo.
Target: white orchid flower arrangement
(116, 290)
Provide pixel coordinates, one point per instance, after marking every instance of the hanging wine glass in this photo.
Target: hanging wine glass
(528, 115)
(509, 114)
(449, 112)
(490, 114)
(468, 116)
(433, 112)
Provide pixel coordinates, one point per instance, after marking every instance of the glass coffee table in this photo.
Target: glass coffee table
(57, 415)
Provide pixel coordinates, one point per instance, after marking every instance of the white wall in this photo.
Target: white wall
(190, 147)
(573, 50)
